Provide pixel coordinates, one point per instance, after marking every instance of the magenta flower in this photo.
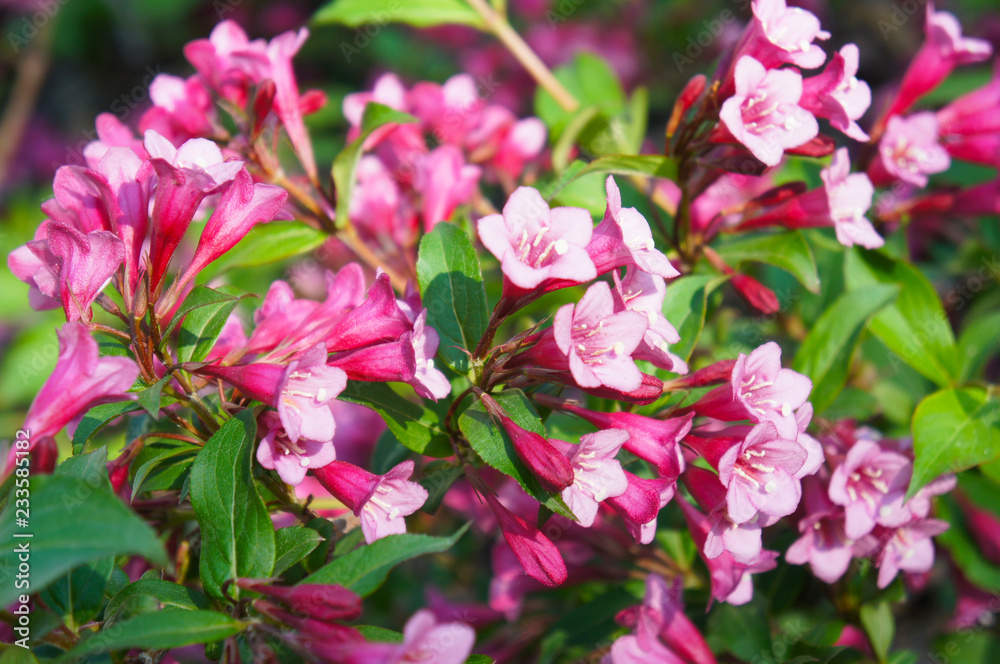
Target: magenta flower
(287, 102)
(764, 114)
(910, 151)
(597, 475)
(379, 363)
(662, 611)
(837, 94)
(444, 182)
(641, 647)
(534, 243)
(380, 501)
(641, 503)
(243, 205)
(870, 484)
(77, 201)
(81, 380)
(623, 238)
(759, 474)
(34, 265)
(290, 459)
(185, 176)
(841, 202)
(81, 264)
(908, 548)
(644, 293)
(379, 318)
(598, 342)
(944, 49)
(970, 125)
(537, 554)
(221, 60)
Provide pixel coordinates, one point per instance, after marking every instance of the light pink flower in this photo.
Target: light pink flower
(112, 132)
(182, 109)
(534, 243)
(910, 151)
(764, 114)
(444, 182)
(221, 60)
(597, 475)
(644, 293)
(823, 543)
(870, 484)
(290, 459)
(380, 501)
(838, 95)
(428, 381)
(908, 548)
(780, 34)
(661, 616)
(741, 540)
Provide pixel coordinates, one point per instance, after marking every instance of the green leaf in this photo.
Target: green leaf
(200, 296)
(646, 165)
(592, 82)
(977, 343)
(563, 147)
(161, 630)
(379, 634)
(364, 569)
(788, 251)
(291, 545)
(880, 625)
(78, 596)
(437, 478)
(92, 468)
(158, 465)
(15, 655)
(375, 116)
(953, 430)
(202, 326)
(269, 243)
(149, 398)
(914, 327)
(96, 419)
(167, 594)
(416, 426)
(825, 355)
(237, 537)
(72, 522)
(494, 446)
(451, 288)
(964, 550)
(685, 306)
(418, 13)
(742, 631)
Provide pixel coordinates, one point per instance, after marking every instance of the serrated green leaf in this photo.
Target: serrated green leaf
(414, 425)
(494, 446)
(418, 13)
(291, 545)
(375, 116)
(825, 355)
(364, 569)
(788, 251)
(73, 522)
(954, 429)
(236, 531)
(914, 327)
(451, 289)
(170, 628)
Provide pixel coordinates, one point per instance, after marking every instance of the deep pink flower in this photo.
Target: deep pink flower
(870, 483)
(221, 60)
(290, 459)
(597, 475)
(537, 554)
(534, 243)
(444, 182)
(970, 126)
(837, 94)
(598, 342)
(321, 602)
(841, 202)
(663, 607)
(36, 267)
(944, 49)
(287, 103)
(764, 114)
(641, 503)
(81, 380)
(185, 176)
(910, 151)
(644, 293)
(379, 318)
(243, 205)
(623, 238)
(380, 501)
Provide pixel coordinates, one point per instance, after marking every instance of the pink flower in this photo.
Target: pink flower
(243, 205)
(841, 202)
(910, 151)
(185, 176)
(837, 94)
(780, 34)
(112, 132)
(644, 293)
(427, 640)
(182, 109)
(623, 238)
(641, 503)
(428, 381)
(444, 181)
(944, 49)
(380, 501)
(823, 543)
(661, 616)
(290, 459)
(908, 548)
(598, 342)
(870, 484)
(642, 647)
(537, 554)
(287, 103)
(534, 243)
(597, 475)
(970, 126)
(764, 114)
(81, 380)
(221, 60)
(379, 318)
(741, 540)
